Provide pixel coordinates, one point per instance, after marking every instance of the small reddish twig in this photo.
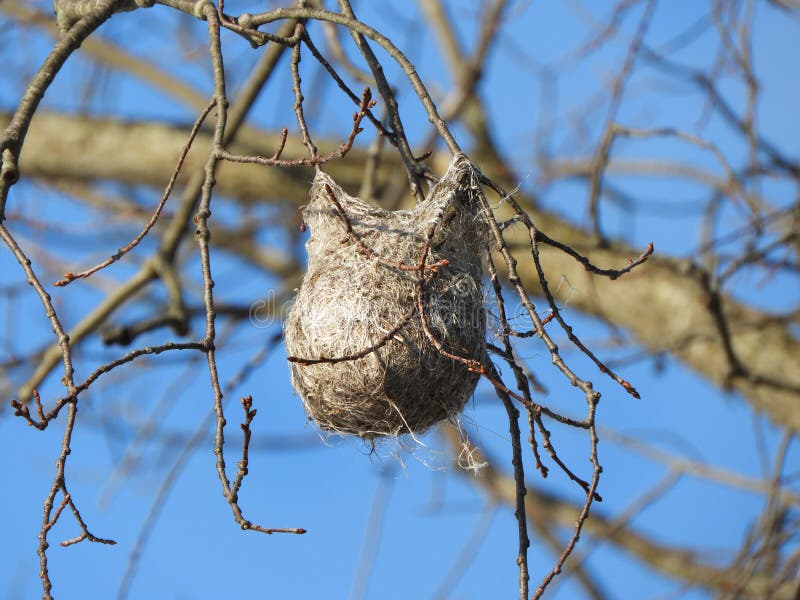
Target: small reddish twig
(366, 250)
(281, 144)
(58, 512)
(355, 356)
(316, 159)
(249, 415)
(508, 354)
(473, 365)
(540, 466)
(21, 409)
(551, 451)
(610, 273)
(591, 493)
(85, 533)
(70, 277)
(534, 239)
(526, 334)
(232, 494)
(389, 135)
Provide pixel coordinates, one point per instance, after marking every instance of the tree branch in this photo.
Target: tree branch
(664, 304)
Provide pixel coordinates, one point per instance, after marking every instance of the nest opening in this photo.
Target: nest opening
(363, 359)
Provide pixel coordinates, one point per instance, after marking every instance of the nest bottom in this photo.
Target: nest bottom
(401, 388)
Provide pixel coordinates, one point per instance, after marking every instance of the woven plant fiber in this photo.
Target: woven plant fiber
(360, 356)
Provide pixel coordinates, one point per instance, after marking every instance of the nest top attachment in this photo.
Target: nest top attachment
(389, 317)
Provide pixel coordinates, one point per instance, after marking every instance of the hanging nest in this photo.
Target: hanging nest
(363, 359)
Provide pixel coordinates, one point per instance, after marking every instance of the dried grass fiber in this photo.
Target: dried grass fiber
(352, 297)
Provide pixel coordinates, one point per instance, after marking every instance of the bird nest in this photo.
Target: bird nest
(387, 331)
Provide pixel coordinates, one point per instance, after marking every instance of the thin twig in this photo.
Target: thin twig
(316, 159)
(69, 277)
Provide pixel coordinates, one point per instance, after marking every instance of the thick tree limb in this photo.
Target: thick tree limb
(665, 305)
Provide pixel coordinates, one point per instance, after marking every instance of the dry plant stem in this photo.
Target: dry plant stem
(176, 229)
(384, 42)
(69, 277)
(568, 328)
(519, 481)
(85, 533)
(345, 88)
(534, 410)
(508, 354)
(22, 410)
(298, 96)
(591, 493)
(551, 451)
(537, 457)
(203, 235)
(241, 473)
(316, 159)
(390, 102)
(114, 56)
(515, 280)
(180, 462)
(350, 357)
(48, 518)
(49, 309)
(610, 273)
(14, 135)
